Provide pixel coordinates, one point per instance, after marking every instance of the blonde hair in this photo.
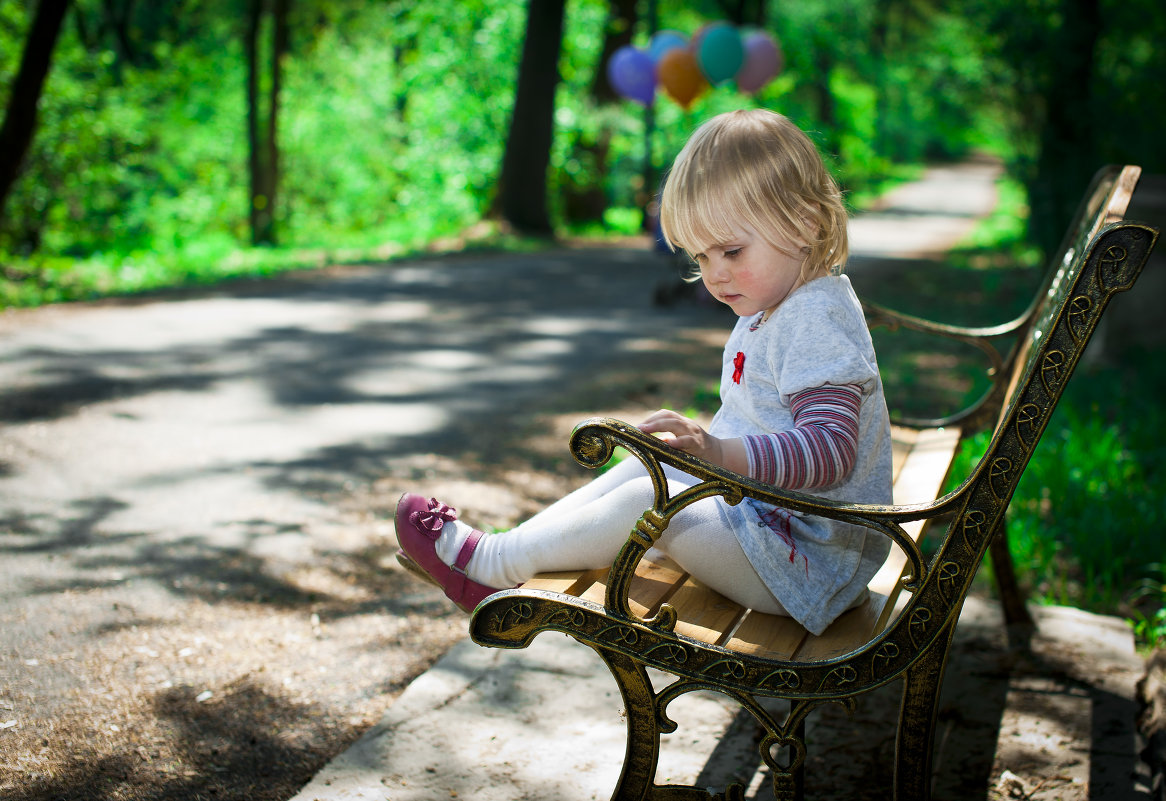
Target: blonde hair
(758, 168)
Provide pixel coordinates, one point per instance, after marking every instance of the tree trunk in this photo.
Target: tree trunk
(24, 96)
(523, 184)
(744, 12)
(621, 24)
(262, 123)
(1068, 152)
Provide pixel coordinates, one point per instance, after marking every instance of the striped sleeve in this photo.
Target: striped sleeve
(819, 450)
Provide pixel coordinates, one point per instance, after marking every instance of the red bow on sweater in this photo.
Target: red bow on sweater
(738, 367)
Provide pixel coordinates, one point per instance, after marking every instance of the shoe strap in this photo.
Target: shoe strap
(467, 551)
(455, 586)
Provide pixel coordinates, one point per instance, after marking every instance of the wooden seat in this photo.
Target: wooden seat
(921, 461)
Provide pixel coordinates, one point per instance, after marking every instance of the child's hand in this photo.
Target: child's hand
(687, 435)
(682, 433)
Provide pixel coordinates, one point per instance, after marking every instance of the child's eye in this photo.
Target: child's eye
(734, 253)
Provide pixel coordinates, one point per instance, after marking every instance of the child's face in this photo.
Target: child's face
(748, 274)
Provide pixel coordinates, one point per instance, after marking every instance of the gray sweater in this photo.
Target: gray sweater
(816, 567)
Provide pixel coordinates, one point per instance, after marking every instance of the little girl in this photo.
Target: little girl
(802, 406)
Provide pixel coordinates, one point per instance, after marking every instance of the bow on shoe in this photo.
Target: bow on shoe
(432, 521)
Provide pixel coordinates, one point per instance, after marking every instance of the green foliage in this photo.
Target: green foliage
(392, 126)
(1148, 608)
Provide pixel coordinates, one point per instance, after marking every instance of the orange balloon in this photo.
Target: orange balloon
(680, 75)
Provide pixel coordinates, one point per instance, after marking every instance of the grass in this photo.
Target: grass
(1087, 524)
(43, 280)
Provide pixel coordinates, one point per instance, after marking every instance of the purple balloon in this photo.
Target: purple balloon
(762, 62)
(632, 74)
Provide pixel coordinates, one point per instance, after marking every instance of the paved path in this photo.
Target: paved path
(195, 489)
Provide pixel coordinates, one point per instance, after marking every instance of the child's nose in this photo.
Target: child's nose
(718, 270)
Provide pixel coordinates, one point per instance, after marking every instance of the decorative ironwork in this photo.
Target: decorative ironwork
(1000, 476)
(1051, 370)
(840, 677)
(1111, 262)
(1028, 418)
(973, 526)
(673, 652)
(948, 573)
(782, 679)
(883, 657)
(1079, 310)
(919, 618)
(730, 669)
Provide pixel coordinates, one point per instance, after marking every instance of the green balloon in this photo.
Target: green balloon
(721, 52)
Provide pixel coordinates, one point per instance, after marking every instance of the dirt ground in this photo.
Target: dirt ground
(178, 673)
(247, 679)
(246, 691)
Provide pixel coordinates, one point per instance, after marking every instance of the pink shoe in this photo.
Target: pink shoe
(419, 524)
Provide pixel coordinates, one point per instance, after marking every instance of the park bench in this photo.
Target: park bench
(645, 612)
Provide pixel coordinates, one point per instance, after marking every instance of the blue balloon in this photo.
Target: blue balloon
(663, 41)
(632, 74)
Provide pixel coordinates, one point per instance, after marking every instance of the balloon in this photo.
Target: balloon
(632, 74)
(721, 53)
(663, 41)
(680, 76)
(762, 62)
(698, 36)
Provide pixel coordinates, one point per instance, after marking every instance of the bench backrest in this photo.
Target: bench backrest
(1104, 204)
(1100, 256)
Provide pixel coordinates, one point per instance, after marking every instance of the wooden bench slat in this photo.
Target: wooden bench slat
(1120, 196)
(921, 459)
(902, 441)
(920, 481)
(768, 635)
(569, 582)
(921, 462)
(850, 630)
(656, 582)
(657, 578)
(703, 613)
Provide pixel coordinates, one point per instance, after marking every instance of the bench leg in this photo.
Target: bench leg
(917, 718)
(1011, 596)
(637, 779)
(643, 750)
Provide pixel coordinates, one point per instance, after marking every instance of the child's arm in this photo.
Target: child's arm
(817, 452)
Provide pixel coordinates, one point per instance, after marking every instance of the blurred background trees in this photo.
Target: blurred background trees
(156, 137)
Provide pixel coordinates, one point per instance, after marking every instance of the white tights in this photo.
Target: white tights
(587, 528)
